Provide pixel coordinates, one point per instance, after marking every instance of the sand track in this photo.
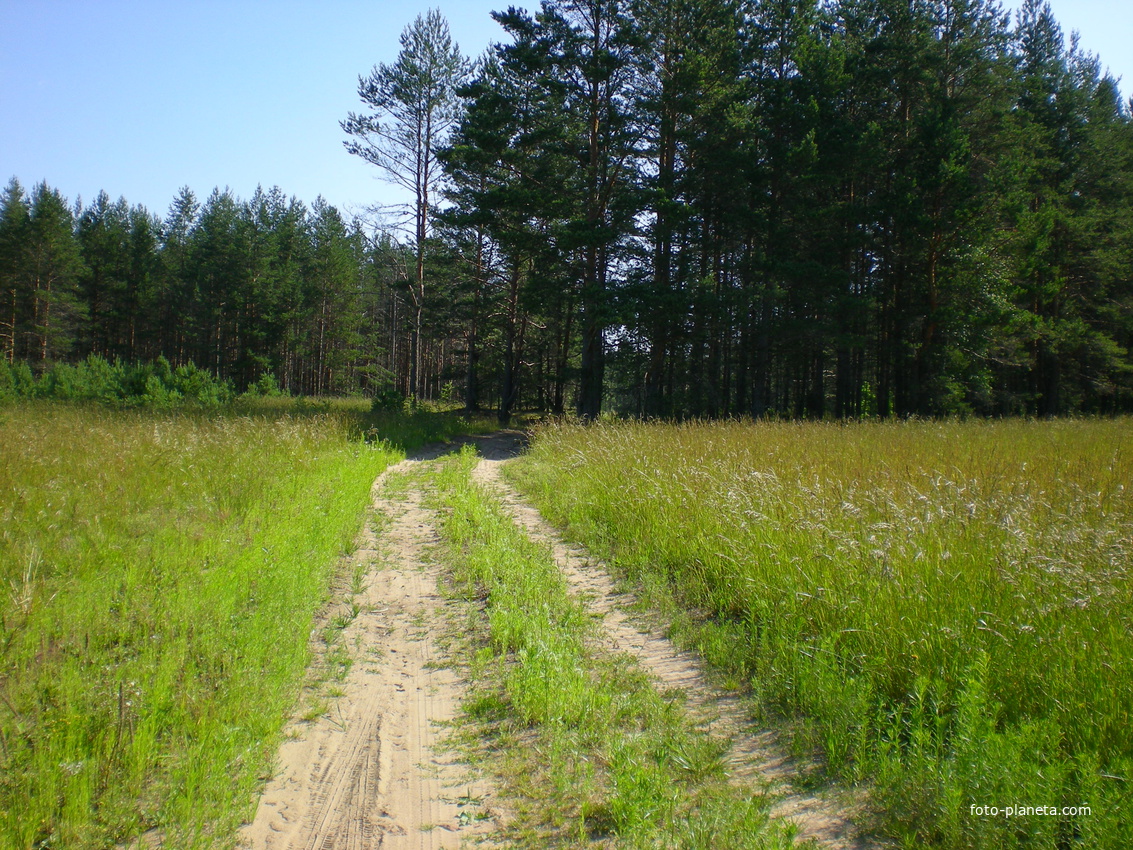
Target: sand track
(370, 773)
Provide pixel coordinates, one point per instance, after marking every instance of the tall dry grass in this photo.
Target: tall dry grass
(941, 609)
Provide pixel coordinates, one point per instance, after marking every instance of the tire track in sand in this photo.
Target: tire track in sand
(757, 758)
(369, 773)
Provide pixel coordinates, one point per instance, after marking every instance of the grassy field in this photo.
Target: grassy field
(941, 610)
(159, 573)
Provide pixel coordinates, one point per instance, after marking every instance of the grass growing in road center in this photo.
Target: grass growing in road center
(594, 749)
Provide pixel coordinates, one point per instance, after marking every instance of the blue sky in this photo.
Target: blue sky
(140, 98)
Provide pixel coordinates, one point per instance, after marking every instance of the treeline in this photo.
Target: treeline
(856, 207)
(664, 207)
(243, 289)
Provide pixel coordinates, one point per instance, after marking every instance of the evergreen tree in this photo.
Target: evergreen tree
(689, 207)
(177, 295)
(580, 57)
(14, 214)
(143, 271)
(104, 234)
(505, 153)
(412, 104)
(334, 301)
(219, 274)
(53, 268)
(692, 109)
(1064, 203)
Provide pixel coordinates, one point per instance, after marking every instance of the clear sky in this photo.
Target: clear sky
(140, 98)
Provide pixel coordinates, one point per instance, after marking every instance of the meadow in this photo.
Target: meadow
(938, 612)
(160, 570)
(587, 749)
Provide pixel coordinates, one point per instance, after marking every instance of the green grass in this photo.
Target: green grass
(159, 572)
(585, 745)
(942, 610)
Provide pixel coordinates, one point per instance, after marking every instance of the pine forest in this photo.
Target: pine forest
(657, 208)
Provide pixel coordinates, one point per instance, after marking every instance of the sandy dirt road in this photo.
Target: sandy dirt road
(372, 772)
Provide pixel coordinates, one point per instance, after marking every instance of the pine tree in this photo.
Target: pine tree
(691, 108)
(143, 274)
(219, 273)
(412, 104)
(177, 292)
(580, 55)
(1066, 207)
(504, 155)
(14, 215)
(54, 266)
(104, 234)
(334, 301)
